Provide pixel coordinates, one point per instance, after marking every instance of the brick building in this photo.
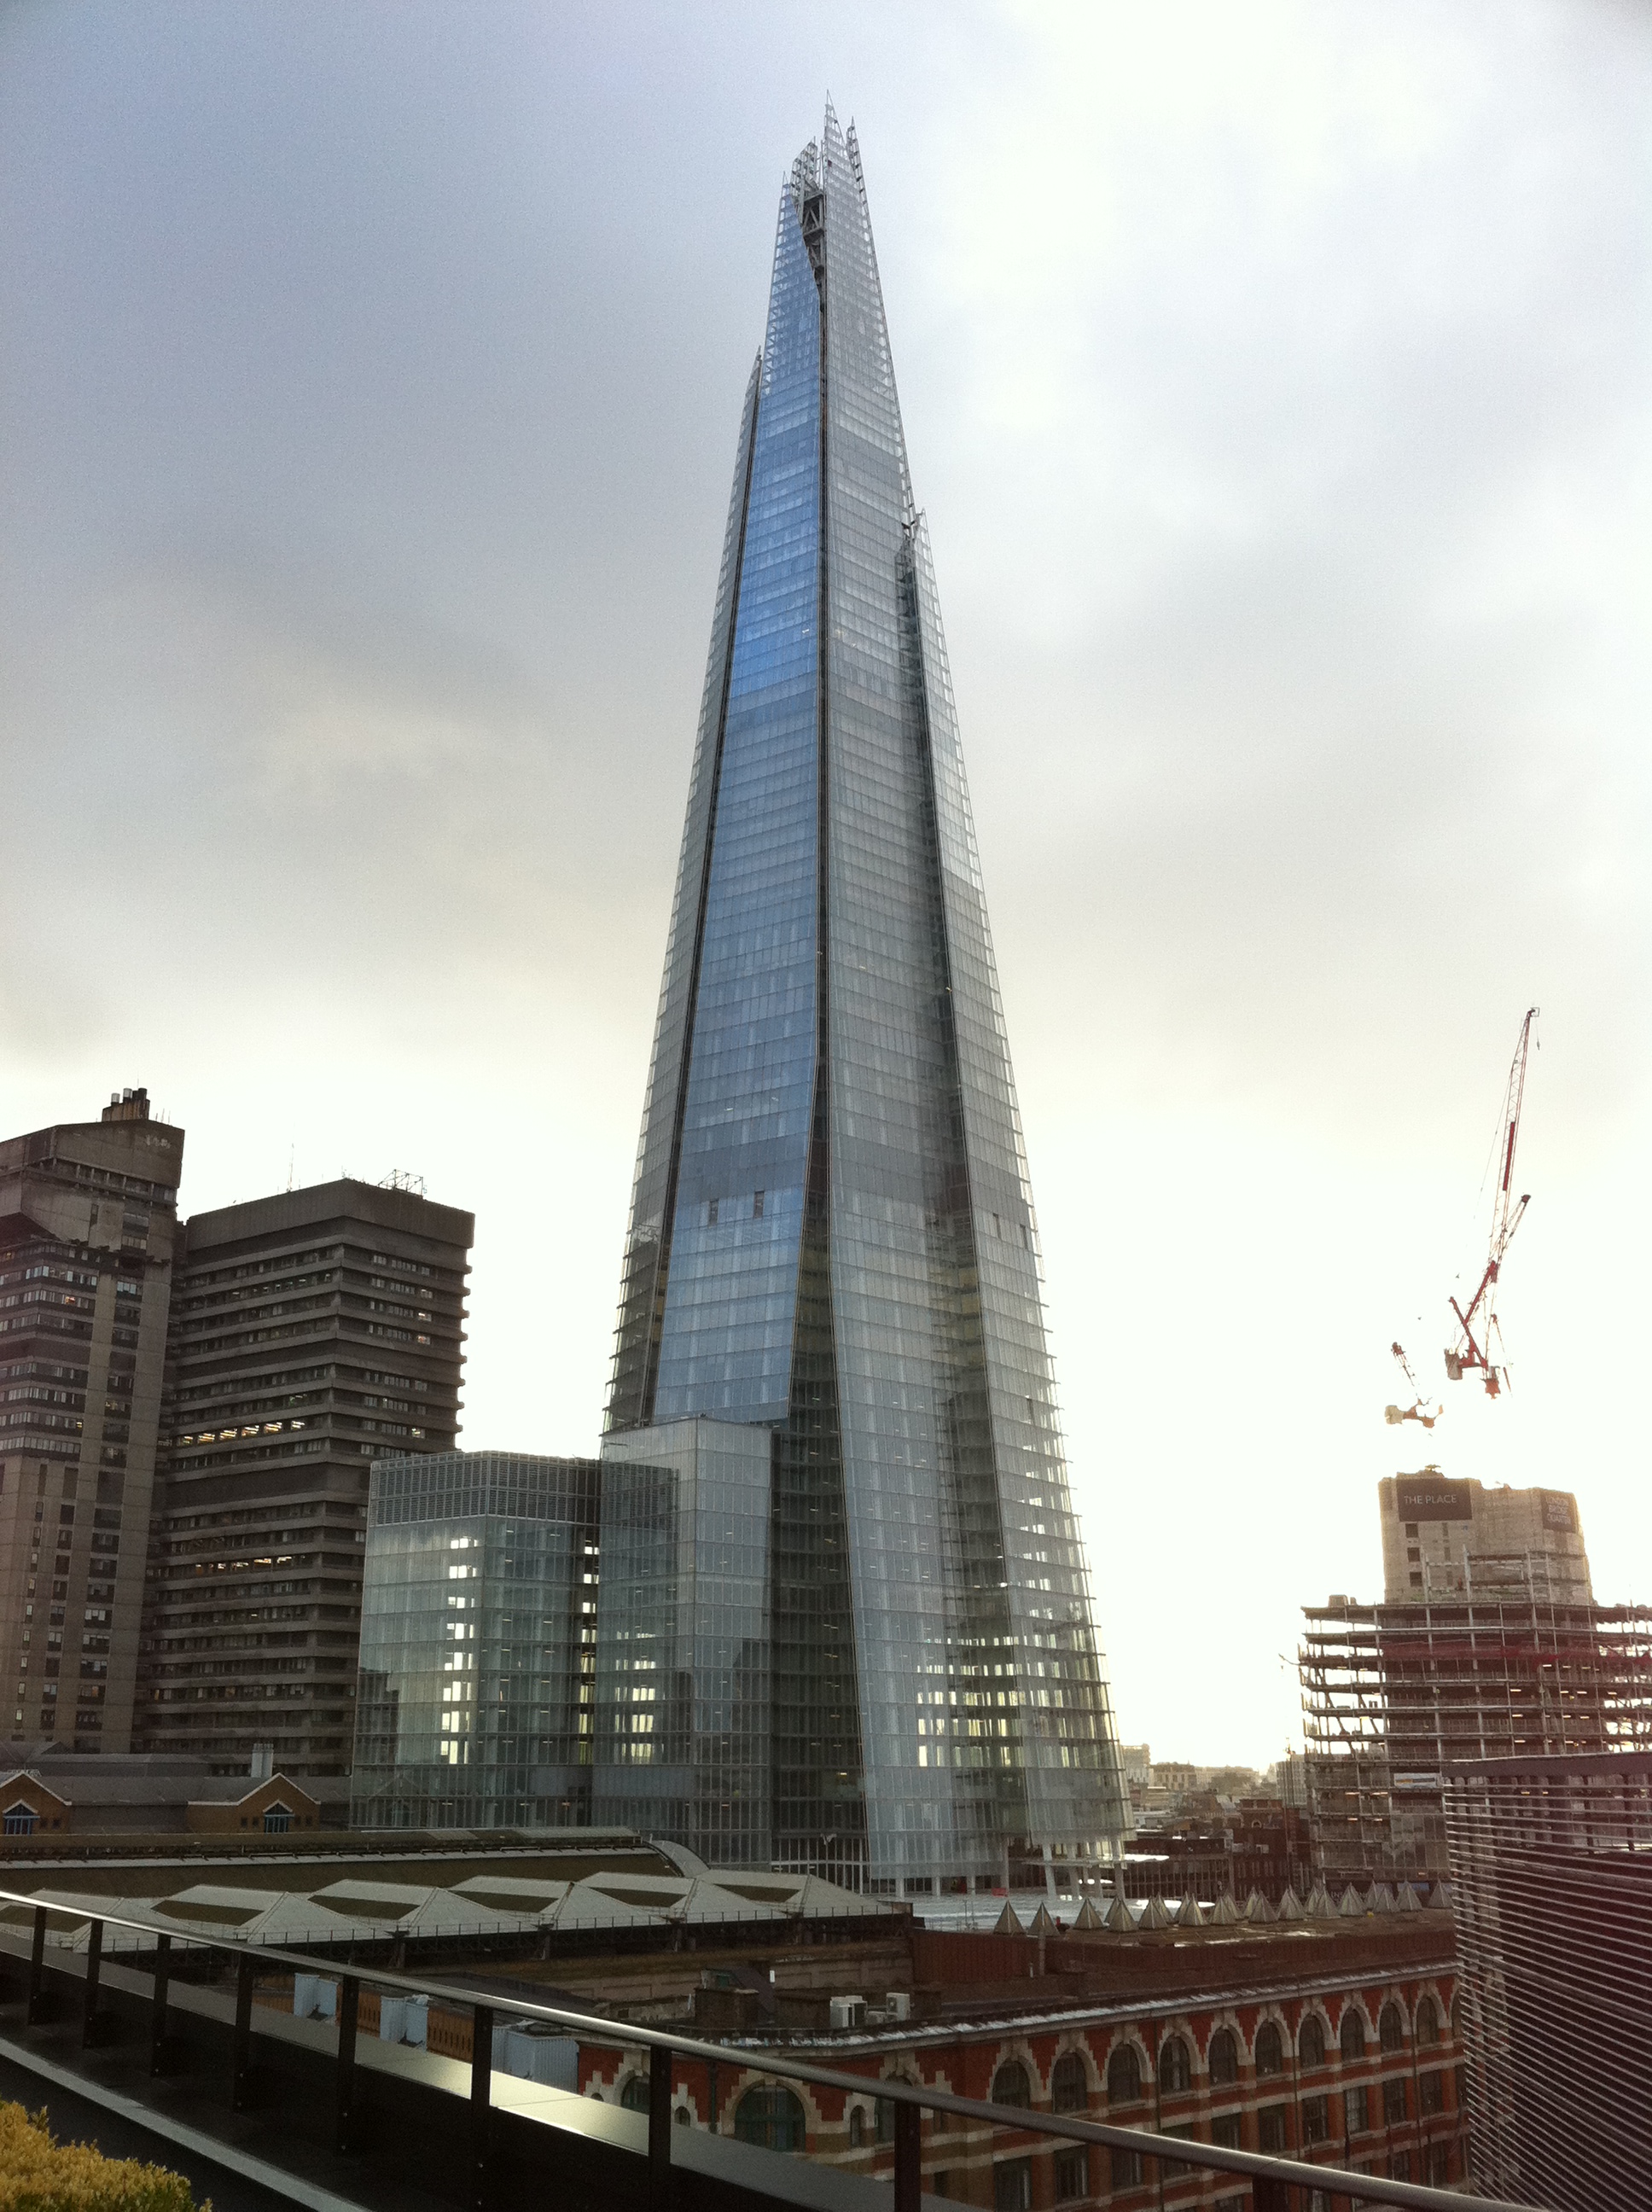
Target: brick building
(1339, 2048)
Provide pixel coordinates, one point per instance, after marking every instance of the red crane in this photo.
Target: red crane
(1470, 1350)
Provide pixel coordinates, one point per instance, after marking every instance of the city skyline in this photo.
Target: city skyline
(1281, 421)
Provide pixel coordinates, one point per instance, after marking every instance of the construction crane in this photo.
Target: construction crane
(1416, 1411)
(1477, 1322)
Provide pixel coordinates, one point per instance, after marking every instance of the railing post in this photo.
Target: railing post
(241, 2076)
(481, 2093)
(94, 1973)
(158, 2004)
(660, 2128)
(349, 2005)
(37, 1969)
(909, 2158)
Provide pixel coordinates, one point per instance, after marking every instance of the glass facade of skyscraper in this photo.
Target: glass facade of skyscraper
(682, 1694)
(478, 1642)
(832, 1237)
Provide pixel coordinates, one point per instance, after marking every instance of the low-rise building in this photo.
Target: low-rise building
(133, 1797)
(1337, 2046)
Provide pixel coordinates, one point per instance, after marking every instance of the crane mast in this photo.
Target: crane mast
(1477, 1322)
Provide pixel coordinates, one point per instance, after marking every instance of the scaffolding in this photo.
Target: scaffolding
(1395, 1695)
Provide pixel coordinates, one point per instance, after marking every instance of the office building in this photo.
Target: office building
(87, 1223)
(310, 1333)
(1441, 1536)
(832, 1237)
(478, 1642)
(682, 1690)
(1551, 1873)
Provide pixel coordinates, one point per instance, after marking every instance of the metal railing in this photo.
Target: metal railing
(910, 2100)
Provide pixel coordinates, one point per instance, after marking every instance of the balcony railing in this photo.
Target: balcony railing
(910, 2100)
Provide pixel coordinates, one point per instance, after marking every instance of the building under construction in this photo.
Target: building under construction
(1393, 1695)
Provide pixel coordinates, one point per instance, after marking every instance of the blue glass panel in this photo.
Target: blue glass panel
(727, 1343)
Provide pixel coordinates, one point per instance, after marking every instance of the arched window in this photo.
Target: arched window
(1069, 2083)
(1175, 2068)
(21, 1819)
(771, 2119)
(1391, 2029)
(1310, 2041)
(1223, 2059)
(858, 2127)
(1353, 2034)
(682, 2116)
(634, 2095)
(1270, 2048)
(1010, 2084)
(1428, 2022)
(1124, 2076)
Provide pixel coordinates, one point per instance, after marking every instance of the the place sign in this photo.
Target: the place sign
(1433, 1498)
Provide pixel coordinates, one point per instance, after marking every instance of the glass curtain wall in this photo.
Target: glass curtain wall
(832, 1230)
(475, 1702)
(684, 1649)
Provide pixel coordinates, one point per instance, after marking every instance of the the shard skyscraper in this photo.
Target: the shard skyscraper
(845, 1615)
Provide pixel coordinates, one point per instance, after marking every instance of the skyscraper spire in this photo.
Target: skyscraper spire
(832, 1233)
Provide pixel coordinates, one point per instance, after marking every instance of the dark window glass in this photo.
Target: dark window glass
(634, 2095)
(1012, 2185)
(1272, 2131)
(1400, 2166)
(1175, 2071)
(1124, 2076)
(1391, 2029)
(772, 2119)
(1394, 2102)
(1072, 2173)
(1428, 2022)
(1270, 2049)
(1228, 2130)
(1127, 2169)
(1223, 2058)
(1358, 2102)
(1431, 2093)
(1010, 2084)
(1174, 2168)
(1353, 2034)
(857, 2127)
(1315, 2119)
(1310, 2043)
(1069, 2084)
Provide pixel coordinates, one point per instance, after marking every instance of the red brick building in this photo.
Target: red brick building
(1340, 2048)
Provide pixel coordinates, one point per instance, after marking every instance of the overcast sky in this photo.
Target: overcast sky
(1277, 381)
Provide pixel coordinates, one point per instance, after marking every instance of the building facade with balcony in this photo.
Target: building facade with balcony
(89, 1225)
(310, 1332)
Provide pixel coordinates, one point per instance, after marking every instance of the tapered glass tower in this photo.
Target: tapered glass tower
(886, 1667)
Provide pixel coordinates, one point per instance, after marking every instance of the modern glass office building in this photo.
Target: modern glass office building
(832, 1235)
(478, 1642)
